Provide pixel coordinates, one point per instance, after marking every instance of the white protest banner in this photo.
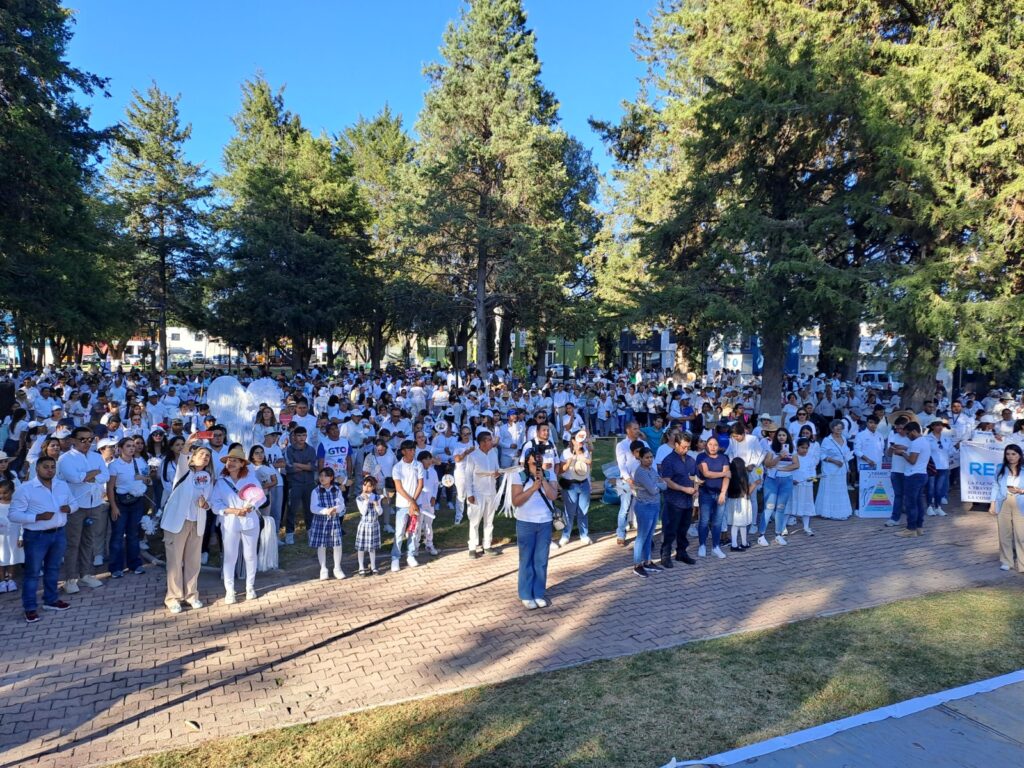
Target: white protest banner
(875, 491)
(979, 462)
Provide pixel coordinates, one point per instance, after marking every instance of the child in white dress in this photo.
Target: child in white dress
(801, 503)
(739, 512)
(12, 550)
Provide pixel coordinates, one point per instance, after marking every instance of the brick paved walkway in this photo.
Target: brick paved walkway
(117, 676)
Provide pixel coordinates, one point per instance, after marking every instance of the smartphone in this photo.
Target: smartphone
(204, 435)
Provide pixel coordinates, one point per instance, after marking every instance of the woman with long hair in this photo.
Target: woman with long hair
(126, 491)
(780, 462)
(15, 443)
(1008, 506)
(533, 496)
(183, 522)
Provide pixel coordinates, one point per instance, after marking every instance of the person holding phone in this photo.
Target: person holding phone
(1008, 506)
(42, 506)
(126, 492)
(533, 496)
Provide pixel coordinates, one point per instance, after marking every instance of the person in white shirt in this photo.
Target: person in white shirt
(896, 445)
(306, 419)
(239, 519)
(941, 446)
(183, 522)
(626, 462)
(127, 486)
(408, 475)
(42, 506)
(750, 449)
(1008, 506)
(960, 424)
(916, 455)
(85, 472)
(481, 494)
(510, 439)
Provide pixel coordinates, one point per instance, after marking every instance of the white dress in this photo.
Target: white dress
(10, 552)
(833, 496)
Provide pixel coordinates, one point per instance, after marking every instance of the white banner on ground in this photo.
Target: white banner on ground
(875, 492)
(978, 465)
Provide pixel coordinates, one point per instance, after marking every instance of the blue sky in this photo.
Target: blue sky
(337, 59)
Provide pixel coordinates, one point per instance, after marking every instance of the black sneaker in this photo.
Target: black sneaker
(744, 547)
(685, 558)
(31, 617)
(652, 567)
(666, 562)
(640, 571)
(735, 549)
(60, 605)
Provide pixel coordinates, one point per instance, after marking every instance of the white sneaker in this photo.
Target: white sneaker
(808, 531)
(586, 540)
(890, 523)
(541, 602)
(250, 594)
(563, 542)
(174, 607)
(205, 558)
(71, 586)
(940, 512)
(780, 540)
(229, 598)
(395, 567)
(458, 519)
(289, 538)
(1004, 567)
(196, 603)
(388, 529)
(531, 604)
(12, 585)
(3, 587)
(717, 552)
(945, 500)
(785, 531)
(339, 575)
(702, 551)
(554, 546)
(98, 560)
(91, 581)
(324, 575)
(762, 541)
(411, 561)
(930, 512)
(431, 550)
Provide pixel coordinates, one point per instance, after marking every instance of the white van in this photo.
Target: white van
(880, 380)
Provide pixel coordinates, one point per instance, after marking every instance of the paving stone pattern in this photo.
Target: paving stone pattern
(117, 676)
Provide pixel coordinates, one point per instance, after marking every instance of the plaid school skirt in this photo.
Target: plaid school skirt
(325, 531)
(368, 534)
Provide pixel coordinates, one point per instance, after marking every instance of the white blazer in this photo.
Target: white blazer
(185, 493)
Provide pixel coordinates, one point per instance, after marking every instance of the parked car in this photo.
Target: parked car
(197, 358)
(560, 372)
(133, 359)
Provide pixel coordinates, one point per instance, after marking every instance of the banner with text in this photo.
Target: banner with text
(978, 465)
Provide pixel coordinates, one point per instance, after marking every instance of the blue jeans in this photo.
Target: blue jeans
(534, 543)
(710, 512)
(777, 491)
(646, 518)
(126, 526)
(625, 499)
(401, 523)
(44, 551)
(897, 495)
(913, 499)
(577, 505)
(938, 487)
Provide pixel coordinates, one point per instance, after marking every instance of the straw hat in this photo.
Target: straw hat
(235, 453)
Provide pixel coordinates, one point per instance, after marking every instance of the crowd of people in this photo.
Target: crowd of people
(93, 463)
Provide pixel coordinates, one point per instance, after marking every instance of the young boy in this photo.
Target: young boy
(427, 502)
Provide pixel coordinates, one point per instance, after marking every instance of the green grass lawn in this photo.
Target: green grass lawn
(688, 702)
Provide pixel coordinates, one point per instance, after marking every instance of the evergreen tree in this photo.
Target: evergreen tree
(497, 188)
(295, 229)
(162, 197)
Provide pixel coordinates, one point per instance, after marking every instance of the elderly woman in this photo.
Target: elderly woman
(183, 522)
(533, 494)
(239, 520)
(833, 495)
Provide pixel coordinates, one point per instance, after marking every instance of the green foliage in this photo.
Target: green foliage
(296, 228)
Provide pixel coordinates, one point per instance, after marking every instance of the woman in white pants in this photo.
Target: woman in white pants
(239, 521)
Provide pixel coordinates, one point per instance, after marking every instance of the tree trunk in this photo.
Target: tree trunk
(684, 351)
(506, 329)
(606, 347)
(376, 343)
(921, 366)
(773, 347)
(492, 336)
(840, 346)
(480, 306)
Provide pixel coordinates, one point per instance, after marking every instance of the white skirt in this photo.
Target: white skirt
(10, 552)
(833, 499)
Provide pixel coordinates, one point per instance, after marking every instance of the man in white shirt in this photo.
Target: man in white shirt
(868, 448)
(627, 463)
(408, 475)
(481, 493)
(42, 506)
(85, 472)
(306, 419)
(960, 424)
(916, 457)
(511, 436)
